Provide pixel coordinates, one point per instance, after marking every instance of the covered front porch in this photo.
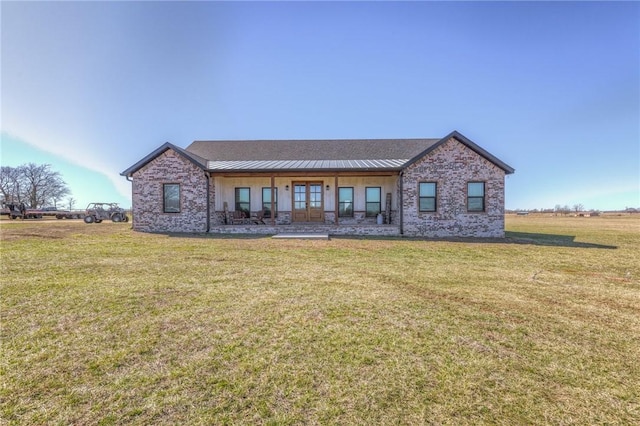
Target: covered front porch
(338, 203)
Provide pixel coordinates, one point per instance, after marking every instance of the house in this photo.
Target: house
(448, 187)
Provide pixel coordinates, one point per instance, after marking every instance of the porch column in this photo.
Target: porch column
(337, 198)
(273, 213)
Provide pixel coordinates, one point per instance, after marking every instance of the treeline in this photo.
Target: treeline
(576, 209)
(33, 185)
(558, 209)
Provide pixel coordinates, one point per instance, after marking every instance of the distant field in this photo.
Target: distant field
(103, 325)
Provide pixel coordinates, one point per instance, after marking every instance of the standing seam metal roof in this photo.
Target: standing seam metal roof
(392, 164)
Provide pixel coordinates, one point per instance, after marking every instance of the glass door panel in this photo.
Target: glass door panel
(300, 196)
(307, 202)
(315, 210)
(300, 202)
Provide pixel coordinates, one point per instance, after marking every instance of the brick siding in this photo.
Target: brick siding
(452, 165)
(169, 167)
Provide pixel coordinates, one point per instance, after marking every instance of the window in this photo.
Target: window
(242, 201)
(372, 199)
(475, 196)
(266, 202)
(345, 202)
(171, 198)
(427, 196)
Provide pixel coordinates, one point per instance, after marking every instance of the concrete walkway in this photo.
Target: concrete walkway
(302, 236)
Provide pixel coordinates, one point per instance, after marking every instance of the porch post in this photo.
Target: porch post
(273, 213)
(337, 198)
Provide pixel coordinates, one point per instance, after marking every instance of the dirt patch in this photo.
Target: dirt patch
(11, 230)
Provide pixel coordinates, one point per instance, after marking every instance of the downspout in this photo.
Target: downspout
(208, 177)
(401, 203)
(131, 180)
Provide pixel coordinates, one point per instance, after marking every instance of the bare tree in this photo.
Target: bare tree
(12, 184)
(72, 202)
(58, 190)
(578, 208)
(33, 184)
(557, 209)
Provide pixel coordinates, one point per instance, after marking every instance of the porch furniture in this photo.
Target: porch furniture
(238, 217)
(258, 219)
(226, 213)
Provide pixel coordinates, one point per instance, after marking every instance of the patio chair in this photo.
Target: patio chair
(259, 217)
(238, 217)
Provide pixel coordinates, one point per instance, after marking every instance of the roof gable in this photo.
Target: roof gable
(469, 144)
(193, 158)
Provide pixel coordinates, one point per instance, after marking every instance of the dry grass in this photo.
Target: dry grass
(101, 325)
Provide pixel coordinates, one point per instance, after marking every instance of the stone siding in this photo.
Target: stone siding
(170, 167)
(371, 230)
(452, 165)
(360, 218)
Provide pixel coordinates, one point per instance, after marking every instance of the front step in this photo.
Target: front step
(302, 236)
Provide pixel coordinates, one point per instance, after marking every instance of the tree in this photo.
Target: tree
(11, 184)
(578, 208)
(558, 209)
(72, 202)
(34, 184)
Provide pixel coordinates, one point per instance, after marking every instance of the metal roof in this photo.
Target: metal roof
(254, 165)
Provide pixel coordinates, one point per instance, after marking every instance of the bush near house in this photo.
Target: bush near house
(103, 325)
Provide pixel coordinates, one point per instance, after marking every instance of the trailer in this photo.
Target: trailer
(62, 213)
(33, 214)
(69, 214)
(15, 211)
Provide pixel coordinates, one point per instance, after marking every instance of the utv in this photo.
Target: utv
(97, 212)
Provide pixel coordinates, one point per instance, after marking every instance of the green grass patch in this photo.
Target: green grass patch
(103, 325)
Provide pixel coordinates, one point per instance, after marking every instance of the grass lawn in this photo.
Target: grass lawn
(103, 325)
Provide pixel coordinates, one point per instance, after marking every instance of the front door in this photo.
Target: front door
(307, 202)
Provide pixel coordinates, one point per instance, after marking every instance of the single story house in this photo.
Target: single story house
(448, 187)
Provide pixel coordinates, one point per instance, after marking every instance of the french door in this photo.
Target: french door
(307, 202)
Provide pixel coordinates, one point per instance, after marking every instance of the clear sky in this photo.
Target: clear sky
(551, 88)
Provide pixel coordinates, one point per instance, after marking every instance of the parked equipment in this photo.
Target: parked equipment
(97, 212)
(15, 210)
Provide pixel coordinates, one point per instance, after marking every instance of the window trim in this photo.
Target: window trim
(275, 202)
(482, 198)
(352, 202)
(434, 197)
(237, 203)
(164, 197)
(367, 202)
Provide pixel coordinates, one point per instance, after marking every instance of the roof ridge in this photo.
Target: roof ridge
(311, 140)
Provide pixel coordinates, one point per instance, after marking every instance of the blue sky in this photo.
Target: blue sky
(551, 88)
